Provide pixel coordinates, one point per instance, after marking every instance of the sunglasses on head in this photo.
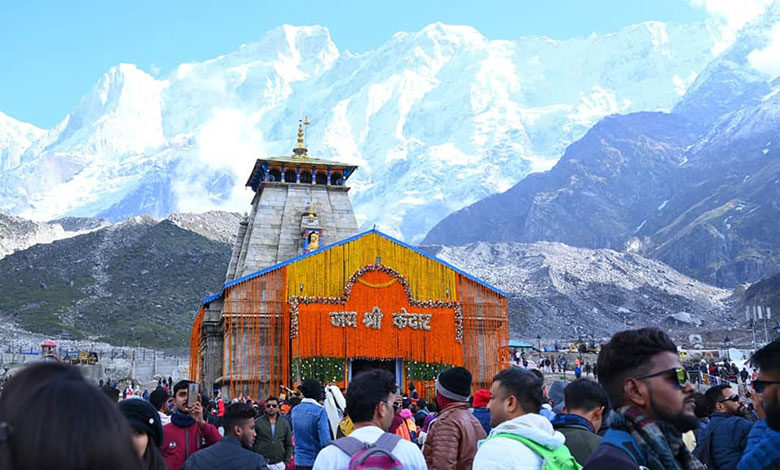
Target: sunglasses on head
(760, 385)
(734, 398)
(679, 373)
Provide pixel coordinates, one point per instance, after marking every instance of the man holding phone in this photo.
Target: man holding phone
(188, 431)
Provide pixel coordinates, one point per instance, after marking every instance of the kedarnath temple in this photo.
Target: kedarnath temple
(306, 295)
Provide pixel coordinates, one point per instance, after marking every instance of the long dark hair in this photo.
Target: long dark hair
(153, 460)
(52, 418)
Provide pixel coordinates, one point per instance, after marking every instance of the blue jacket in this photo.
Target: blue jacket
(763, 448)
(728, 441)
(226, 454)
(311, 431)
(483, 416)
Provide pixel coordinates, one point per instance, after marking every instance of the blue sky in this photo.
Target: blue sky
(52, 52)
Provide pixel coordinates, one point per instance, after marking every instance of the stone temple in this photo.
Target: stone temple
(306, 295)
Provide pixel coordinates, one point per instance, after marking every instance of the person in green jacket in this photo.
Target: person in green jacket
(585, 404)
(274, 436)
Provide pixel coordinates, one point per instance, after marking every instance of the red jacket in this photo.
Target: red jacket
(179, 443)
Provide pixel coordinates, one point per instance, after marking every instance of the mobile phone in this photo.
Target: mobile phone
(192, 395)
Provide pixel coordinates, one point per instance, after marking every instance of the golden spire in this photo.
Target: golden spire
(311, 212)
(300, 149)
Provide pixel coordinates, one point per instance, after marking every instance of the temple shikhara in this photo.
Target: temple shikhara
(307, 296)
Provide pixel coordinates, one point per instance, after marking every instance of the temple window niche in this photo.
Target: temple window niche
(290, 176)
(322, 178)
(306, 177)
(335, 178)
(274, 175)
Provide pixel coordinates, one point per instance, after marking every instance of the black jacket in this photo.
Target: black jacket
(226, 454)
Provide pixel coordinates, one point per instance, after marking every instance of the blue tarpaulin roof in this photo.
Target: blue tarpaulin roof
(513, 343)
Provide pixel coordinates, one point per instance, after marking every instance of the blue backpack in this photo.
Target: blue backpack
(623, 441)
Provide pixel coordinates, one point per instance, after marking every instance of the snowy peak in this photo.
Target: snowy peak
(15, 138)
(735, 78)
(436, 119)
(121, 113)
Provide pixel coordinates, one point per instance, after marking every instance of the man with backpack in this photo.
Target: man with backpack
(585, 405)
(723, 441)
(370, 398)
(521, 438)
(652, 402)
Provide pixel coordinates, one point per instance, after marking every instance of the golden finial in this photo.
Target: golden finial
(311, 212)
(300, 149)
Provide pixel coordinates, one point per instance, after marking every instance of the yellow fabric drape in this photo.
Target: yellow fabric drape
(325, 274)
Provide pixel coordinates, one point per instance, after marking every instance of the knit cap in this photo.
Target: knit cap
(142, 416)
(455, 384)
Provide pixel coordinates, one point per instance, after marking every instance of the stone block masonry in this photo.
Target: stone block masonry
(273, 231)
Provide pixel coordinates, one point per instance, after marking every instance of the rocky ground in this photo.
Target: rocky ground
(561, 292)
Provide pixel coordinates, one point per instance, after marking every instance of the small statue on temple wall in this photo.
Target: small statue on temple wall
(314, 242)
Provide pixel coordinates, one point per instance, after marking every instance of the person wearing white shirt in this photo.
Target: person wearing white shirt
(370, 397)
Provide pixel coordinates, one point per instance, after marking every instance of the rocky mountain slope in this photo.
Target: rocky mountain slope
(133, 283)
(436, 119)
(559, 291)
(17, 233)
(138, 282)
(766, 293)
(697, 188)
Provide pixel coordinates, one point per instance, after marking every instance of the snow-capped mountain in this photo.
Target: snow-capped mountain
(15, 138)
(436, 119)
(697, 188)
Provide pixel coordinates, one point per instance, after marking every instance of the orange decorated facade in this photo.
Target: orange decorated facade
(366, 301)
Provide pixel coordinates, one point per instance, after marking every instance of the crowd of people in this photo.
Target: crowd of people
(644, 412)
(552, 364)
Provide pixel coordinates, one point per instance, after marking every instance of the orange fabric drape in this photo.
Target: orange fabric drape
(318, 337)
(196, 359)
(254, 336)
(486, 331)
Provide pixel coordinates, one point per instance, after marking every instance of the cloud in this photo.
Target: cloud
(731, 16)
(227, 145)
(767, 60)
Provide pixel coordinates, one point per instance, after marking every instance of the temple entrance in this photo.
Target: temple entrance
(357, 366)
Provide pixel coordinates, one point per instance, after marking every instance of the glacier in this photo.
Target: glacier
(436, 119)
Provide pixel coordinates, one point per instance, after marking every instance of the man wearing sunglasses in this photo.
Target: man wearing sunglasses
(652, 402)
(763, 448)
(723, 441)
(274, 436)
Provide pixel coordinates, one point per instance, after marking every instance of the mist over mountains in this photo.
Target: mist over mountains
(436, 120)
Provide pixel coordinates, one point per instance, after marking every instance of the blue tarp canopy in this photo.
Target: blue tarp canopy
(513, 343)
